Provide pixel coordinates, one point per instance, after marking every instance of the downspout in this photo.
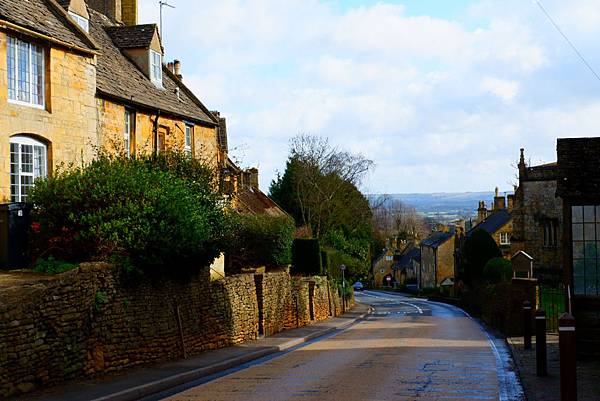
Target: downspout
(155, 132)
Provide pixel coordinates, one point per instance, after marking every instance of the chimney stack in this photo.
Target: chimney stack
(171, 67)
(129, 12)
(177, 67)
(481, 212)
(499, 201)
(511, 202)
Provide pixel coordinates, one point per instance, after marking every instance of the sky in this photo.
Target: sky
(440, 94)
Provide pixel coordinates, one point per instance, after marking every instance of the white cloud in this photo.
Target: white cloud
(505, 90)
(439, 104)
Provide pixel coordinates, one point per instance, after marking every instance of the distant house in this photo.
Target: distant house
(497, 222)
(382, 268)
(406, 269)
(437, 259)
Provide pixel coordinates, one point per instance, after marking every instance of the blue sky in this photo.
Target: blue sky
(441, 94)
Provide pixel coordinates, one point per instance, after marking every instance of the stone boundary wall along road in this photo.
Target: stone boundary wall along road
(92, 320)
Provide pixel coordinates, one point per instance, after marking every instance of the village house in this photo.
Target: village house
(406, 268)
(437, 260)
(382, 268)
(578, 187)
(538, 219)
(76, 77)
(497, 222)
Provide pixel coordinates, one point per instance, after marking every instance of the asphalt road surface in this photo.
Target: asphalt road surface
(407, 349)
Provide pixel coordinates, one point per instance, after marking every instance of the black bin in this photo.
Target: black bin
(14, 226)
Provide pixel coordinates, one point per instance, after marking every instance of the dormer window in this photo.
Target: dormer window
(84, 23)
(156, 68)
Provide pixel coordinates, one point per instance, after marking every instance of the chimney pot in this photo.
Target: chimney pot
(177, 67)
(171, 67)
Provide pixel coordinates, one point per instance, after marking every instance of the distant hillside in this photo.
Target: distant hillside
(445, 207)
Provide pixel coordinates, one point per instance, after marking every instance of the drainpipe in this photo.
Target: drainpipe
(155, 132)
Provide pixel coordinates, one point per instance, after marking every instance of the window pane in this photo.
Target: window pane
(577, 213)
(590, 249)
(578, 250)
(597, 214)
(37, 75)
(11, 63)
(14, 172)
(24, 72)
(579, 285)
(590, 231)
(588, 213)
(577, 232)
(26, 158)
(39, 161)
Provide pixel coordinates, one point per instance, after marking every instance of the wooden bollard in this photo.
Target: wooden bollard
(541, 355)
(568, 360)
(527, 325)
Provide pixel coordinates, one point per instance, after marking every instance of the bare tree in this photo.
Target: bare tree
(392, 218)
(324, 178)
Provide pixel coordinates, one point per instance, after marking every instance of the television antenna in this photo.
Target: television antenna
(162, 4)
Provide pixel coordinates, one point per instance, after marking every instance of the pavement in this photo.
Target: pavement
(407, 349)
(548, 388)
(137, 384)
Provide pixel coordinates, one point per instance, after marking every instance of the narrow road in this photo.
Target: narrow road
(408, 349)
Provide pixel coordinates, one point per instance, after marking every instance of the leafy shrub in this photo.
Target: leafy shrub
(334, 259)
(478, 249)
(261, 240)
(497, 270)
(53, 266)
(306, 257)
(160, 213)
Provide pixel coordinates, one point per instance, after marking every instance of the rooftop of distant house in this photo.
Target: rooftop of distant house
(492, 223)
(437, 239)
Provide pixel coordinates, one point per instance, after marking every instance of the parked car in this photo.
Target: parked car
(357, 286)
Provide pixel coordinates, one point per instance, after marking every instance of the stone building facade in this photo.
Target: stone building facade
(497, 222)
(76, 77)
(578, 186)
(437, 260)
(382, 268)
(538, 218)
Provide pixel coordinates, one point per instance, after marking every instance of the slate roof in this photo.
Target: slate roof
(406, 259)
(118, 77)
(44, 17)
(437, 239)
(131, 37)
(254, 201)
(493, 222)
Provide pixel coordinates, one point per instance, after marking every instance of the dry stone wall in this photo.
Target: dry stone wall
(92, 320)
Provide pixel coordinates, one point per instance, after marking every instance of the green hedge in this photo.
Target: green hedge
(159, 214)
(306, 257)
(497, 270)
(261, 240)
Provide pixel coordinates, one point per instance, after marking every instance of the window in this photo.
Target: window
(129, 132)
(28, 161)
(585, 226)
(156, 68)
(189, 135)
(25, 63)
(550, 231)
(81, 21)
(504, 239)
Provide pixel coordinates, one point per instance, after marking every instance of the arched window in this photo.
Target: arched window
(28, 161)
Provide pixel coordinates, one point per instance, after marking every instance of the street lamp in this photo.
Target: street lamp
(343, 269)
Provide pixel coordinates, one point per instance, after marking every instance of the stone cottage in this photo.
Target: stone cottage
(496, 222)
(76, 76)
(437, 260)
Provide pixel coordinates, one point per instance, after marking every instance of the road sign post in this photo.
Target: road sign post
(343, 268)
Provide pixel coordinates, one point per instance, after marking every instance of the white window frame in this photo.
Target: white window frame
(38, 171)
(504, 239)
(128, 130)
(155, 78)
(188, 138)
(83, 22)
(31, 47)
